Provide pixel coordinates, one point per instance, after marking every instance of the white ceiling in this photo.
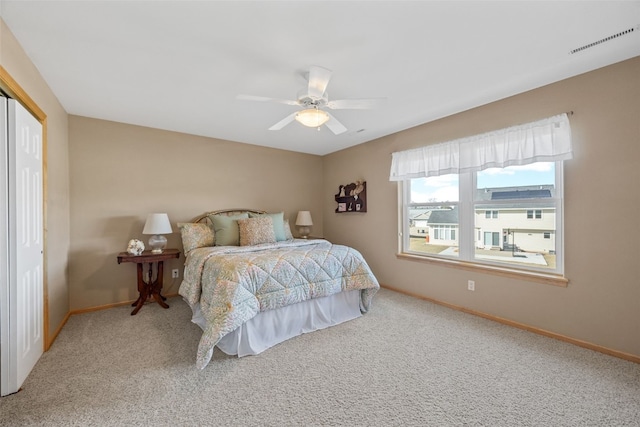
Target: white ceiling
(179, 65)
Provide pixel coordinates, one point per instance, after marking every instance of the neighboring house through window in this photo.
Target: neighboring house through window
(481, 214)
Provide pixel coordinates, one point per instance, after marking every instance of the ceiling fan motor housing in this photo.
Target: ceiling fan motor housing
(307, 100)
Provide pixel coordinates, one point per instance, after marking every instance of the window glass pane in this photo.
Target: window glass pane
(520, 234)
(435, 189)
(513, 214)
(433, 229)
(517, 182)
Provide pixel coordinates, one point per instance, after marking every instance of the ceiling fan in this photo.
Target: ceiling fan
(313, 100)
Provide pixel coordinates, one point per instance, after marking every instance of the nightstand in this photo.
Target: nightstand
(149, 288)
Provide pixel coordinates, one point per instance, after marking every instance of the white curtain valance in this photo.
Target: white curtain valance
(546, 140)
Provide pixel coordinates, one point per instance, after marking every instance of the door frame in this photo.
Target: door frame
(15, 91)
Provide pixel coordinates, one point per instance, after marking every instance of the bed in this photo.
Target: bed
(251, 285)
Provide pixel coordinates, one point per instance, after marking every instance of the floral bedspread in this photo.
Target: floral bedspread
(233, 284)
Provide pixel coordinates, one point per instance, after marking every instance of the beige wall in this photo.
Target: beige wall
(120, 173)
(602, 201)
(15, 61)
(112, 190)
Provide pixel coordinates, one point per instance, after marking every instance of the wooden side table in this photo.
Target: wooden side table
(150, 287)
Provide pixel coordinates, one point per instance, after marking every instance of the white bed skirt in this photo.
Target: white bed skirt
(272, 327)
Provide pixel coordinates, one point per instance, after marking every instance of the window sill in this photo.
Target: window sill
(531, 276)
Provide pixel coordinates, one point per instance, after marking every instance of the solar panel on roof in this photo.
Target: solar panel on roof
(522, 194)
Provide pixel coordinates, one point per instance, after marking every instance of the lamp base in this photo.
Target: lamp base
(304, 231)
(157, 243)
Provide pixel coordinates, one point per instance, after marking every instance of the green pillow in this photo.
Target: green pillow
(278, 224)
(287, 230)
(226, 229)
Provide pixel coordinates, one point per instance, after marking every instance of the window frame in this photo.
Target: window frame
(535, 213)
(491, 214)
(467, 232)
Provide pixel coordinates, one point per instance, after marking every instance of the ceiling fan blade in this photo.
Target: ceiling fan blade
(335, 126)
(355, 104)
(318, 80)
(265, 99)
(282, 123)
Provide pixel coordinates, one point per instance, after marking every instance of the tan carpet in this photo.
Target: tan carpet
(406, 363)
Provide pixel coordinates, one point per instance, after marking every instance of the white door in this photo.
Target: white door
(21, 298)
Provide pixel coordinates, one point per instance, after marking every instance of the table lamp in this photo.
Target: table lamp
(157, 224)
(304, 223)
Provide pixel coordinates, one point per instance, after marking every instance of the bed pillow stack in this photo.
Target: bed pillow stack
(224, 230)
(195, 235)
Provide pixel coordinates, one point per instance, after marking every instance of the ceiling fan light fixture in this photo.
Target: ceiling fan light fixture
(312, 117)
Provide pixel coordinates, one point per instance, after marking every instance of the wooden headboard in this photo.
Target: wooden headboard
(204, 218)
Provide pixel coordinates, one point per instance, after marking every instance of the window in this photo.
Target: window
(499, 199)
(444, 232)
(491, 238)
(479, 194)
(537, 214)
(491, 214)
(518, 191)
(434, 200)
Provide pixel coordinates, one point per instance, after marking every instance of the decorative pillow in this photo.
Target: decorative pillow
(195, 235)
(254, 231)
(278, 224)
(226, 229)
(287, 230)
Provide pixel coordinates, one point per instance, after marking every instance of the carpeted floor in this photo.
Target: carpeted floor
(406, 363)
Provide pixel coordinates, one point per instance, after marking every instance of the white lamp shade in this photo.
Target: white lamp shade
(304, 218)
(304, 223)
(157, 223)
(312, 117)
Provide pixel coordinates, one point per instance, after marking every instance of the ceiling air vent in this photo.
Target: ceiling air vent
(606, 39)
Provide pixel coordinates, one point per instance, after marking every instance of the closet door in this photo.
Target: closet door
(22, 299)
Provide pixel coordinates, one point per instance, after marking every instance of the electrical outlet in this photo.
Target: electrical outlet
(471, 285)
(175, 273)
